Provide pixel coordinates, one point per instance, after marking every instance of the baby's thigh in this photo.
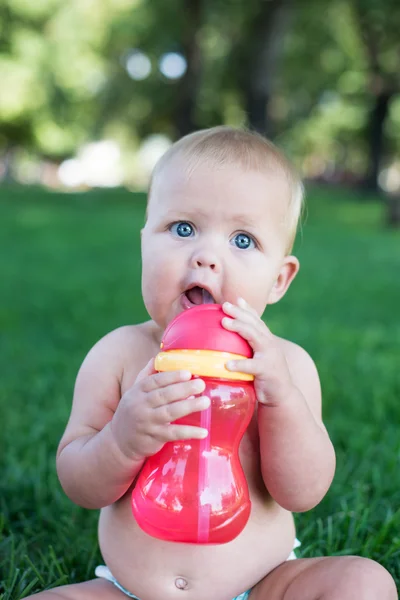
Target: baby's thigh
(95, 589)
(328, 578)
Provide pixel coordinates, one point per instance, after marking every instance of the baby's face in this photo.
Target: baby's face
(212, 236)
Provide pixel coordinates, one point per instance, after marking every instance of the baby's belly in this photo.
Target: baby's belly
(156, 570)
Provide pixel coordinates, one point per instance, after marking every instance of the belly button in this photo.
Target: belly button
(181, 583)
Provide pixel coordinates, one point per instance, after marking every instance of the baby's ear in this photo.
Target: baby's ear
(288, 271)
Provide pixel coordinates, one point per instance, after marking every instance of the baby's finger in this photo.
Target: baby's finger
(248, 331)
(246, 365)
(161, 380)
(241, 313)
(258, 319)
(146, 371)
(176, 410)
(172, 433)
(176, 391)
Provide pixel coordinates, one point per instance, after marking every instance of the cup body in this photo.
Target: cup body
(195, 491)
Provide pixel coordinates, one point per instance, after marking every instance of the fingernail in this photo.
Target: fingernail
(230, 365)
(227, 305)
(204, 433)
(186, 374)
(227, 321)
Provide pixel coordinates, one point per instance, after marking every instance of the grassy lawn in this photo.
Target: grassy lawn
(70, 272)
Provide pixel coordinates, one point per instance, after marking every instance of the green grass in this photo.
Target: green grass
(70, 272)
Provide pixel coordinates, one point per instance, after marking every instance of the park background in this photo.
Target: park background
(91, 94)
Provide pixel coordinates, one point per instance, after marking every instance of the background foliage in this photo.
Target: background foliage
(323, 83)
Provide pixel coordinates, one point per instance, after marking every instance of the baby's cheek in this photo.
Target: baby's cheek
(159, 287)
(256, 291)
(154, 267)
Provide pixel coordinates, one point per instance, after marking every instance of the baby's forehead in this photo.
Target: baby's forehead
(182, 169)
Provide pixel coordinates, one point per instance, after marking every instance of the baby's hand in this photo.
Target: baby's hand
(272, 381)
(142, 423)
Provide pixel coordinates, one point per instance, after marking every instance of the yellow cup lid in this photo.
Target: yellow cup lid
(207, 363)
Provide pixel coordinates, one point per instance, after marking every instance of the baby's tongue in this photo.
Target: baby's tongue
(198, 295)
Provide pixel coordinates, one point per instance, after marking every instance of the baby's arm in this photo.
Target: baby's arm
(108, 437)
(297, 456)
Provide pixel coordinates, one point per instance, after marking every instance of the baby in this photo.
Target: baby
(222, 213)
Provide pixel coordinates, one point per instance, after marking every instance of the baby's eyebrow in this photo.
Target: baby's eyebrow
(242, 219)
(245, 220)
(193, 216)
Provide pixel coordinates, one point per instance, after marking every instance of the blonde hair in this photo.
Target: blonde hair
(228, 145)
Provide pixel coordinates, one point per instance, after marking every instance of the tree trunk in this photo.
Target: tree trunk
(265, 46)
(376, 125)
(256, 106)
(8, 163)
(393, 211)
(185, 118)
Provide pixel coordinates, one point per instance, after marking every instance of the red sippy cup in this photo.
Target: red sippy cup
(195, 491)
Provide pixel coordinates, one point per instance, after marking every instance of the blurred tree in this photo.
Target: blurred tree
(155, 103)
(51, 69)
(339, 77)
(255, 58)
(188, 89)
(378, 25)
(322, 82)
(17, 105)
(319, 106)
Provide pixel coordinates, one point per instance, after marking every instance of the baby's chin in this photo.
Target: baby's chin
(162, 316)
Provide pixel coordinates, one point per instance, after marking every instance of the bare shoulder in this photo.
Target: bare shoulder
(121, 348)
(110, 351)
(304, 374)
(109, 368)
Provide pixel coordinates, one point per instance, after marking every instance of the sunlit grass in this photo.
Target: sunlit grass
(70, 272)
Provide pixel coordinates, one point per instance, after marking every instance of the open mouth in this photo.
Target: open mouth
(198, 295)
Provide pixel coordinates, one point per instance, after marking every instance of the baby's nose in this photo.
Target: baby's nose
(205, 263)
(206, 259)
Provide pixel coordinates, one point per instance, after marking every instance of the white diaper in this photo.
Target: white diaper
(292, 555)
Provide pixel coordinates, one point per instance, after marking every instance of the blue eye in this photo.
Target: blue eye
(243, 241)
(182, 229)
